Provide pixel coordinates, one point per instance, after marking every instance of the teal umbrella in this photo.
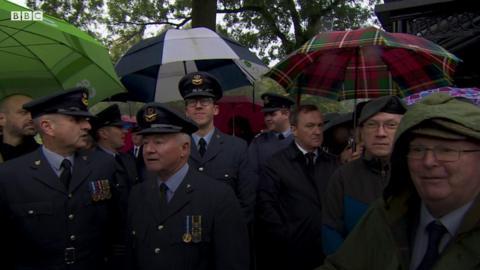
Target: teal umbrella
(41, 57)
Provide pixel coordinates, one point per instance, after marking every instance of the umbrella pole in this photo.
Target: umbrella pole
(357, 58)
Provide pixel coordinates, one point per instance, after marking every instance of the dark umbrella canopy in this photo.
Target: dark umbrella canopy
(365, 63)
(152, 68)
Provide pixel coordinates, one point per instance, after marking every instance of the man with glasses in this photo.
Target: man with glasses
(430, 213)
(358, 183)
(214, 153)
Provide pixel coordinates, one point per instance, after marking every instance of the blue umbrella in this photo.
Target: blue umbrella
(152, 68)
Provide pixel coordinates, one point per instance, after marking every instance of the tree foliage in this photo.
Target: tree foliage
(274, 28)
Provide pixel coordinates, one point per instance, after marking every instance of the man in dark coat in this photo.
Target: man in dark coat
(180, 218)
(57, 206)
(109, 133)
(218, 155)
(360, 182)
(290, 194)
(17, 128)
(276, 110)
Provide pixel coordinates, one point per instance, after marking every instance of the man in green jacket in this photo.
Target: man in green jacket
(430, 214)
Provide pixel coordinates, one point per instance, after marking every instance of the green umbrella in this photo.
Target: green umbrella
(41, 57)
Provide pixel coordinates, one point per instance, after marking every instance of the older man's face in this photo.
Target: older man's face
(165, 153)
(444, 185)
(378, 133)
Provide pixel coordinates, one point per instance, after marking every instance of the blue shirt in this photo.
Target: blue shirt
(207, 138)
(55, 160)
(174, 181)
(451, 221)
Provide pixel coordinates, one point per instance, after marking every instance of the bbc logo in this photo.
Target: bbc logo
(26, 15)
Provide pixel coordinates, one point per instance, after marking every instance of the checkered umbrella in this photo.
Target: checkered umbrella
(365, 63)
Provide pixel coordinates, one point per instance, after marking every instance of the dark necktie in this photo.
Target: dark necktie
(280, 136)
(163, 196)
(435, 233)
(203, 146)
(310, 162)
(66, 174)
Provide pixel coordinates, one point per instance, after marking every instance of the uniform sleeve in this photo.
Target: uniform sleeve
(231, 239)
(269, 213)
(5, 227)
(332, 214)
(247, 184)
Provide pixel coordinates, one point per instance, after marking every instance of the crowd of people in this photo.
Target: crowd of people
(398, 190)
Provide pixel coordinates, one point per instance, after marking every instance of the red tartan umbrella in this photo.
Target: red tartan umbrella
(365, 63)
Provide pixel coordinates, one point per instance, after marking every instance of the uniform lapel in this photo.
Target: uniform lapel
(182, 197)
(214, 146)
(153, 197)
(81, 170)
(43, 172)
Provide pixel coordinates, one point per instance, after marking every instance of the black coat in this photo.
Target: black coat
(157, 236)
(42, 221)
(226, 160)
(290, 209)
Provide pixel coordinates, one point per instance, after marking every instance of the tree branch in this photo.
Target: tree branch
(177, 25)
(269, 19)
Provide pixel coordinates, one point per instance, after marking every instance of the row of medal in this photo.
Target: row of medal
(193, 229)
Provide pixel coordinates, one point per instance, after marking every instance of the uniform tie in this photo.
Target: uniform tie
(66, 174)
(163, 195)
(435, 233)
(280, 136)
(203, 146)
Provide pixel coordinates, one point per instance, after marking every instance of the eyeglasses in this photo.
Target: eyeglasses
(374, 125)
(441, 153)
(202, 101)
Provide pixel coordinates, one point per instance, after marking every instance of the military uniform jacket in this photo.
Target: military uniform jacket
(45, 226)
(202, 207)
(226, 160)
(290, 209)
(262, 148)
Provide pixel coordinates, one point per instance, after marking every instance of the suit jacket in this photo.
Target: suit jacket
(218, 241)
(226, 160)
(290, 209)
(44, 224)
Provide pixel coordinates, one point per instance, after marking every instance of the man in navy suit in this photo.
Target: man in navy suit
(58, 207)
(178, 217)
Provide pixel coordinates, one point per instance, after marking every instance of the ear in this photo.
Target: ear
(47, 126)
(185, 149)
(294, 130)
(3, 119)
(216, 109)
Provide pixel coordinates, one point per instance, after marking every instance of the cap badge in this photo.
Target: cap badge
(197, 79)
(150, 114)
(85, 99)
(266, 100)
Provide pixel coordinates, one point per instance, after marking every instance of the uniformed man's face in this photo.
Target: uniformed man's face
(201, 110)
(309, 130)
(15, 120)
(114, 136)
(276, 120)
(69, 133)
(164, 154)
(378, 133)
(445, 185)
